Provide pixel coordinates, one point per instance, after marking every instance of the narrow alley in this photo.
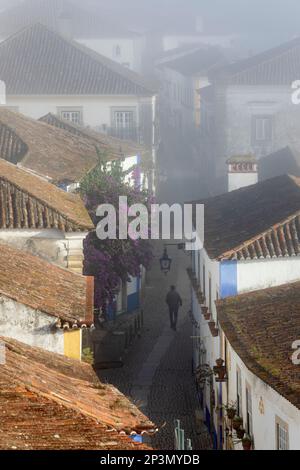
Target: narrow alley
(157, 374)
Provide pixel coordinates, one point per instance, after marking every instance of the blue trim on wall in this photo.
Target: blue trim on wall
(228, 279)
(133, 302)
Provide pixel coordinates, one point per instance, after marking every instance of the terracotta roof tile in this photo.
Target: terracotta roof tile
(29, 201)
(38, 61)
(42, 286)
(261, 327)
(60, 151)
(51, 402)
(258, 221)
(48, 151)
(115, 148)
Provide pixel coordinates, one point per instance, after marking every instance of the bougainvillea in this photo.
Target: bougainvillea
(112, 261)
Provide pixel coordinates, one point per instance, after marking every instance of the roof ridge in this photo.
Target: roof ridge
(70, 196)
(115, 67)
(259, 236)
(261, 54)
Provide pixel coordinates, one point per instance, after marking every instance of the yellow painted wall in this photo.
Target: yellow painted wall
(72, 344)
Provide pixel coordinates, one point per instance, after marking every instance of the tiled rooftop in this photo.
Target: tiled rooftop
(53, 152)
(114, 147)
(277, 66)
(29, 201)
(261, 327)
(38, 61)
(258, 221)
(49, 402)
(42, 286)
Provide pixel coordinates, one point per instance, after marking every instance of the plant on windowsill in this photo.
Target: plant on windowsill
(247, 442)
(220, 370)
(204, 309)
(240, 433)
(213, 329)
(231, 410)
(207, 315)
(237, 422)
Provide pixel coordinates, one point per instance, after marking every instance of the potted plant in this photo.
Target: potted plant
(231, 410)
(220, 370)
(247, 442)
(237, 422)
(240, 433)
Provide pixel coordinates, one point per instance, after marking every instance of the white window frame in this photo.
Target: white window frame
(69, 110)
(282, 434)
(123, 110)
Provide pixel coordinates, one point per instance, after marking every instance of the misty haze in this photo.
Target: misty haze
(149, 229)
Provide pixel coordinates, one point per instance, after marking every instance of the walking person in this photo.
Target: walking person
(174, 301)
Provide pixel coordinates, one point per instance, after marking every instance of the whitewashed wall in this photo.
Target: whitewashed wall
(131, 49)
(29, 326)
(267, 405)
(96, 110)
(241, 180)
(48, 244)
(263, 273)
(234, 134)
(54, 246)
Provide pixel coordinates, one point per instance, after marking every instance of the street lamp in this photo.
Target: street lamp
(165, 262)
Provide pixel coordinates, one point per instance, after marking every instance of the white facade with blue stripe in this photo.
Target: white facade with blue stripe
(221, 279)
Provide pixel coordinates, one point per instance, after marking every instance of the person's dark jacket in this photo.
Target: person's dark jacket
(173, 299)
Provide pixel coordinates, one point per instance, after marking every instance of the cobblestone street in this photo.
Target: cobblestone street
(157, 374)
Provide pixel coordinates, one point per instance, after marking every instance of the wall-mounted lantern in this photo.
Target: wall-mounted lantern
(165, 262)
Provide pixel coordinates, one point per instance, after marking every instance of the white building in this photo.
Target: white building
(47, 73)
(250, 243)
(43, 305)
(38, 217)
(250, 106)
(95, 30)
(258, 332)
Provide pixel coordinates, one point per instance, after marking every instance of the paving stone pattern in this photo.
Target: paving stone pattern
(157, 374)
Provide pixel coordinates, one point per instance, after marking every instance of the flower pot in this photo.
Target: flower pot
(240, 433)
(220, 362)
(237, 422)
(247, 443)
(231, 412)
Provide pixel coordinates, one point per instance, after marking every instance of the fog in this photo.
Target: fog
(262, 23)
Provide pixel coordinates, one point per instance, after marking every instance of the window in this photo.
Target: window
(262, 129)
(124, 123)
(204, 286)
(71, 114)
(282, 435)
(239, 391)
(249, 425)
(123, 119)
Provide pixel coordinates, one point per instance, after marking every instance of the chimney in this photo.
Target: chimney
(90, 288)
(242, 171)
